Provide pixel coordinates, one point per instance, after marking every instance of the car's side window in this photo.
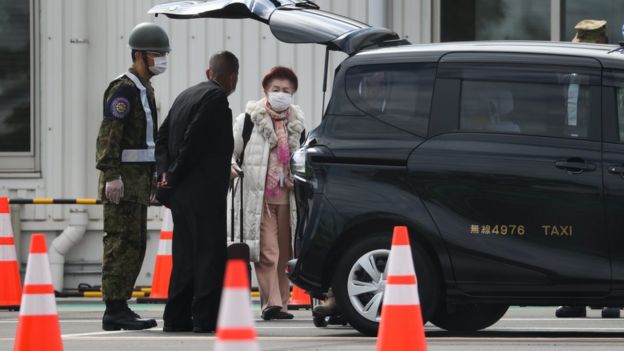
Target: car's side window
(399, 94)
(557, 104)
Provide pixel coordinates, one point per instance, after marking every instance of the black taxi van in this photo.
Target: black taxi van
(504, 159)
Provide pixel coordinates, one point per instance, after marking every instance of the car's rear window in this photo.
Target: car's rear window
(398, 94)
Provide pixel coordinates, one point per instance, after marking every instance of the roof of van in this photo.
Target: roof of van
(607, 54)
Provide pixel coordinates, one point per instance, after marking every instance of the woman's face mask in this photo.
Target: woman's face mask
(280, 101)
(160, 65)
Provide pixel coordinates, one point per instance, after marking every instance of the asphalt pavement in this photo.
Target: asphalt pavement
(522, 328)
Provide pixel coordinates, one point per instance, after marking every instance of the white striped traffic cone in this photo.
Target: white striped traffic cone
(401, 326)
(235, 325)
(38, 327)
(10, 285)
(164, 261)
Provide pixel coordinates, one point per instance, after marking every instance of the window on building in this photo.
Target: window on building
(399, 94)
(558, 108)
(16, 117)
(575, 11)
(495, 20)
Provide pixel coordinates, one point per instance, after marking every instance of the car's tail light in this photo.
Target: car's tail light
(298, 163)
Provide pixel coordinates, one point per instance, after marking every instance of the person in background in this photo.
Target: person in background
(588, 31)
(591, 31)
(125, 157)
(269, 208)
(193, 152)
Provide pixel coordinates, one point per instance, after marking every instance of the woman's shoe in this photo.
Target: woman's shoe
(270, 312)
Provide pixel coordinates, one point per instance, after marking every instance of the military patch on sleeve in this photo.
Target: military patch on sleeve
(118, 105)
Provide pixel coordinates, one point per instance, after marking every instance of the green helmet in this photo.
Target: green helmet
(149, 36)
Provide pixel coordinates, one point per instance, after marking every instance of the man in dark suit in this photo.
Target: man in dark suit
(193, 156)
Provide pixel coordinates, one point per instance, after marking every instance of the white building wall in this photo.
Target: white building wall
(82, 44)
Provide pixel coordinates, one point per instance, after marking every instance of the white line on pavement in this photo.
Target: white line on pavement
(96, 333)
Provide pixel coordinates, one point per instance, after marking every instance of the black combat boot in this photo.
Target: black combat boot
(134, 314)
(571, 312)
(118, 316)
(610, 312)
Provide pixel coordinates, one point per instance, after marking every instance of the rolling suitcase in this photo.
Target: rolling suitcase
(238, 250)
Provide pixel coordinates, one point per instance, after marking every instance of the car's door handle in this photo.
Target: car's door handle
(575, 166)
(616, 170)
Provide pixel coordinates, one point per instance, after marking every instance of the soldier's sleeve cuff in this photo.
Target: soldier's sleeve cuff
(111, 175)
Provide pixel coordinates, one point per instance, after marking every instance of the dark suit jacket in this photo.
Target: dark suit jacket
(194, 144)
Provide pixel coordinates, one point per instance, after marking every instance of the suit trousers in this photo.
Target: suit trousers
(275, 251)
(199, 252)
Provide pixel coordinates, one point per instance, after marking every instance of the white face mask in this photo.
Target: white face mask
(280, 101)
(160, 65)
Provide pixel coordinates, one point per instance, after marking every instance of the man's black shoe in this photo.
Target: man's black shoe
(116, 317)
(177, 328)
(270, 312)
(571, 312)
(198, 329)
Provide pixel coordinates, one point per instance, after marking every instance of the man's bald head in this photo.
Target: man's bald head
(223, 68)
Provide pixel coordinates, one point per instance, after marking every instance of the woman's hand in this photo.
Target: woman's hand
(234, 170)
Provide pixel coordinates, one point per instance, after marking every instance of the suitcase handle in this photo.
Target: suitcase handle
(237, 184)
(241, 175)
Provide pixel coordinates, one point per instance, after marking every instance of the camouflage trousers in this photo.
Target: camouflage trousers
(125, 238)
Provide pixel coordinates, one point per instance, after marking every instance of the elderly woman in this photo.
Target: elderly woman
(269, 205)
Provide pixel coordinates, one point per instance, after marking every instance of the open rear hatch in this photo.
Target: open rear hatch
(290, 21)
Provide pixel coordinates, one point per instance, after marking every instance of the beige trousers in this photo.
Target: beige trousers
(275, 251)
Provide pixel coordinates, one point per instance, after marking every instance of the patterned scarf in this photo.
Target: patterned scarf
(279, 156)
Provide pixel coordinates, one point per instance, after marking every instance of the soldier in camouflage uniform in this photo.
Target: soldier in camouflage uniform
(588, 31)
(125, 157)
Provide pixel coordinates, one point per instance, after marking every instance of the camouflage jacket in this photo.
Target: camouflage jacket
(122, 143)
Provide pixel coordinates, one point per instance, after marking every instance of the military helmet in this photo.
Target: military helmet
(591, 31)
(149, 36)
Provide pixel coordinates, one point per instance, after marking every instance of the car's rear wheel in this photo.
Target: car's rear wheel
(360, 280)
(468, 317)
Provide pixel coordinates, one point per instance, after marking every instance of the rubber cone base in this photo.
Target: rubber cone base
(34, 331)
(405, 333)
(10, 287)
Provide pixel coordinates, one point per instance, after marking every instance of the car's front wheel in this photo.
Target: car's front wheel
(360, 280)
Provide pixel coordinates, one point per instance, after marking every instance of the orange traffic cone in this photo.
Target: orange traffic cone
(401, 326)
(164, 263)
(10, 285)
(299, 299)
(235, 326)
(38, 327)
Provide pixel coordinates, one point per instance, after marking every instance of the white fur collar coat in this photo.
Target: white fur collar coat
(255, 164)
